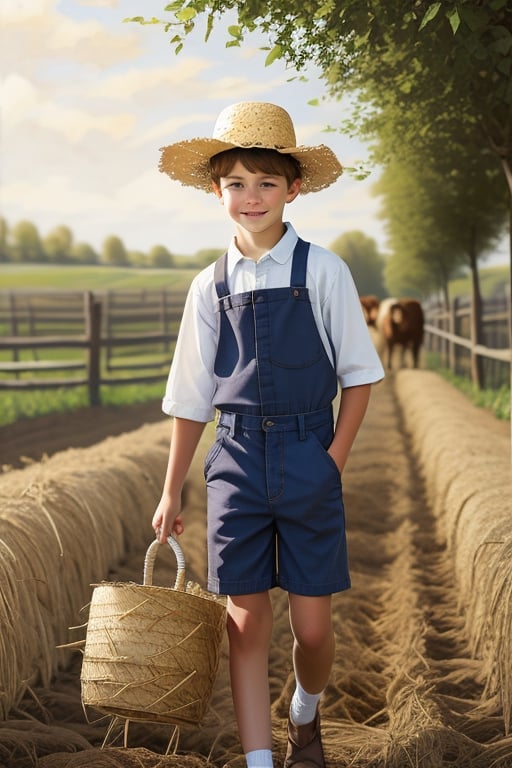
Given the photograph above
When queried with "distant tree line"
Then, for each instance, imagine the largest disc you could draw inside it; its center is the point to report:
(23, 244)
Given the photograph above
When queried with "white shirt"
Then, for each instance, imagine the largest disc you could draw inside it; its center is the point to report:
(336, 308)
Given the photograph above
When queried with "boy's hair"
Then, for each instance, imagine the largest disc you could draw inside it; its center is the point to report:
(255, 159)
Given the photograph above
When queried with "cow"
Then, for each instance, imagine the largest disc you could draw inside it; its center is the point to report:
(400, 322)
(370, 305)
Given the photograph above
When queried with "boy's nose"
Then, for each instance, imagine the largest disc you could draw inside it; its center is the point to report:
(253, 193)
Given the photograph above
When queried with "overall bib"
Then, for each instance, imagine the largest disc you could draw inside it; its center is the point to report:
(275, 506)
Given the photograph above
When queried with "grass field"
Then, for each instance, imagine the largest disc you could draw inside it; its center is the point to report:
(494, 280)
(15, 277)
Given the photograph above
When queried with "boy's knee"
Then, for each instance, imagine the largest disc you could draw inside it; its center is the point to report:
(312, 638)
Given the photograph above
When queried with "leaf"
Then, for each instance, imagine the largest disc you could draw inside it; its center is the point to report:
(235, 31)
(476, 18)
(209, 27)
(324, 10)
(314, 102)
(454, 19)
(274, 54)
(186, 14)
(359, 172)
(431, 13)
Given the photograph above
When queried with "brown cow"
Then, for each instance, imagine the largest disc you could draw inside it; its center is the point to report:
(400, 321)
(370, 305)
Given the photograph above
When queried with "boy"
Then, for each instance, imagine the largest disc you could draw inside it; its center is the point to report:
(267, 334)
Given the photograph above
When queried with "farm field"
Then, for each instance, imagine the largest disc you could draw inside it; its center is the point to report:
(410, 689)
(494, 280)
(91, 278)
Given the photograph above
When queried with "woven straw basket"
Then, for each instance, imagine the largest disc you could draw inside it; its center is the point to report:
(152, 653)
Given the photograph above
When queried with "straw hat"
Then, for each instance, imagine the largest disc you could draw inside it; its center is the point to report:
(249, 124)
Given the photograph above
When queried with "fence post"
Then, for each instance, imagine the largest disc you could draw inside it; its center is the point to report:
(452, 327)
(93, 335)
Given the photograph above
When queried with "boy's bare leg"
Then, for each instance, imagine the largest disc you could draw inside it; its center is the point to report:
(313, 648)
(249, 628)
(313, 656)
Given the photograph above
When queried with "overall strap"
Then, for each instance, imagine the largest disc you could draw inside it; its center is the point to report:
(220, 275)
(300, 264)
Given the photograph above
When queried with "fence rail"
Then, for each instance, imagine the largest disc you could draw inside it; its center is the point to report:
(92, 333)
(450, 333)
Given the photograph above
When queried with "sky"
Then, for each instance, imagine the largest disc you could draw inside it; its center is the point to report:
(87, 100)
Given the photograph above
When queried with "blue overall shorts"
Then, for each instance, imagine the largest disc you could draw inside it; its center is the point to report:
(275, 505)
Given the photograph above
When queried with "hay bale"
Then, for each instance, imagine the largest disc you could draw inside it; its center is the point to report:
(64, 524)
(466, 468)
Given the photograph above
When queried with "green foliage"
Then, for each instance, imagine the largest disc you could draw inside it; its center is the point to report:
(494, 283)
(21, 405)
(58, 245)
(207, 256)
(83, 253)
(4, 246)
(366, 263)
(114, 252)
(495, 401)
(160, 257)
(25, 243)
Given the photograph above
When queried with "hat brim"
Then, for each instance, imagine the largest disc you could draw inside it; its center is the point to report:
(189, 162)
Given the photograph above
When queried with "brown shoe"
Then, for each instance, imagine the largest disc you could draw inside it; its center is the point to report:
(305, 745)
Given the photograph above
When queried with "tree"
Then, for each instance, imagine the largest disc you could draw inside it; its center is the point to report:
(114, 252)
(206, 256)
(83, 253)
(366, 263)
(26, 243)
(160, 257)
(58, 244)
(4, 246)
(138, 259)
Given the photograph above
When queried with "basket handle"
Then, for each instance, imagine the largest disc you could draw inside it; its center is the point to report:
(149, 563)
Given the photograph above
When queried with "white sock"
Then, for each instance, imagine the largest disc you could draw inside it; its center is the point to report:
(303, 706)
(259, 758)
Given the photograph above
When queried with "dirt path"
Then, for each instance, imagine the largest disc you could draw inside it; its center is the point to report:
(29, 440)
(404, 692)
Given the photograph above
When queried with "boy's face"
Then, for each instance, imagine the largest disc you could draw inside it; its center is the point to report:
(255, 201)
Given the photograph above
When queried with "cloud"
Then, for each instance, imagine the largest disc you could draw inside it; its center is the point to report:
(34, 30)
(21, 102)
(137, 81)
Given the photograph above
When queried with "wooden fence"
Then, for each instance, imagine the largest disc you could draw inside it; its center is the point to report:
(96, 339)
(450, 334)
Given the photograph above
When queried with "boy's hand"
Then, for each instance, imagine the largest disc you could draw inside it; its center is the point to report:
(167, 520)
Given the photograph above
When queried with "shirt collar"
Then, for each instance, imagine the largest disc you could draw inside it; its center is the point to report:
(281, 252)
